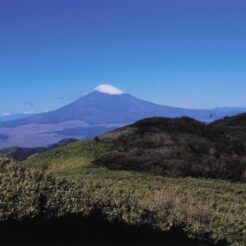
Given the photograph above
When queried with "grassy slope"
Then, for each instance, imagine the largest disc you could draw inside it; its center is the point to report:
(70, 158)
(213, 207)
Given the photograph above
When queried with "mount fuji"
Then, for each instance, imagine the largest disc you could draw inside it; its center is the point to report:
(102, 110)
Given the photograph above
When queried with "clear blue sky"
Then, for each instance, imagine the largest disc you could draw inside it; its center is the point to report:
(189, 53)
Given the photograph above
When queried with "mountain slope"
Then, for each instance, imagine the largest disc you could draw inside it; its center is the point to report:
(8, 117)
(101, 108)
(89, 116)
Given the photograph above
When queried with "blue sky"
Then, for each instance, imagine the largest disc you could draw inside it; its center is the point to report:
(188, 53)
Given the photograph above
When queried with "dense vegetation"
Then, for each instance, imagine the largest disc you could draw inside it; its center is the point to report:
(174, 148)
(206, 209)
(29, 196)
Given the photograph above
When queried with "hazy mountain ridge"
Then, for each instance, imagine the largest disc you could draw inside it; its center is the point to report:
(9, 117)
(20, 154)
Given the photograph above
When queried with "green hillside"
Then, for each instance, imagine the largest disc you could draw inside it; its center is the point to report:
(205, 209)
(71, 157)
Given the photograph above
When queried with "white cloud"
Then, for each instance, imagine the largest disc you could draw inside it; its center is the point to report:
(5, 114)
(28, 112)
(108, 89)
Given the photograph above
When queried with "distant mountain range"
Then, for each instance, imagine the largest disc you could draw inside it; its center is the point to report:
(9, 117)
(92, 115)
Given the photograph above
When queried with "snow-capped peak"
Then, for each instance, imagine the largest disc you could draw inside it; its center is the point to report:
(108, 89)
